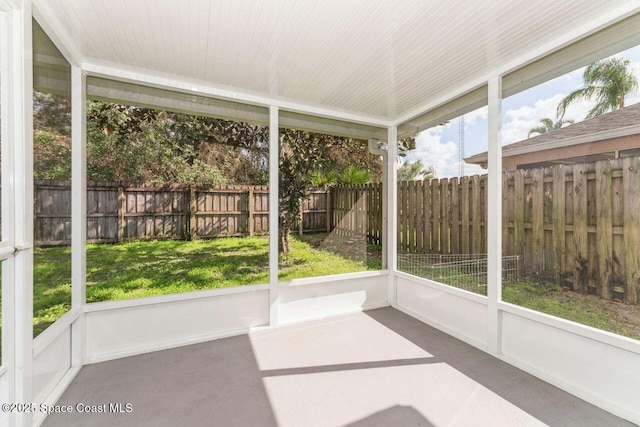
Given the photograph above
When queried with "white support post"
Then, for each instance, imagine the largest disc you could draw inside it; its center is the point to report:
(494, 215)
(7, 379)
(78, 210)
(390, 212)
(22, 98)
(274, 159)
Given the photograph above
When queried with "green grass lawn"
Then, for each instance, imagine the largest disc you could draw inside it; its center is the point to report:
(590, 310)
(546, 297)
(142, 269)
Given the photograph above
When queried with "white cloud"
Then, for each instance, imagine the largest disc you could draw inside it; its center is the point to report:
(443, 156)
(518, 122)
(480, 114)
(634, 98)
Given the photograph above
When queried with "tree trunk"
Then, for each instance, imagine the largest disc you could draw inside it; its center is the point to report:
(283, 243)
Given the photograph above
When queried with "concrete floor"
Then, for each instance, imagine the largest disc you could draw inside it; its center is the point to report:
(378, 368)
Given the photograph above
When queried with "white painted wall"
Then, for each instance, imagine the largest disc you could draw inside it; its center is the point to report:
(603, 374)
(50, 364)
(458, 313)
(599, 367)
(123, 328)
(307, 299)
(4, 396)
(120, 329)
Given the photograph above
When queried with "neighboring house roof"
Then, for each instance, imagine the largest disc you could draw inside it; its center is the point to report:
(618, 123)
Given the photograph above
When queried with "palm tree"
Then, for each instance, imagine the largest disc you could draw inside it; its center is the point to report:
(548, 125)
(410, 171)
(608, 81)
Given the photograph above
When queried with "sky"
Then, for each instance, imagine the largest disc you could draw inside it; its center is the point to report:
(439, 146)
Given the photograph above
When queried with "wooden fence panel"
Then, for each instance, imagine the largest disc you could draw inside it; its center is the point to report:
(617, 225)
(154, 212)
(435, 217)
(604, 235)
(412, 216)
(465, 203)
(455, 216)
(631, 222)
(426, 210)
(314, 211)
(476, 209)
(580, 228)
(402, 217)
(445, 217)
(260, 209)
(537, 221)
(519, 213)
(52, 210)
(102, 212)
(222, 211)
(507, 215)
(559, 208)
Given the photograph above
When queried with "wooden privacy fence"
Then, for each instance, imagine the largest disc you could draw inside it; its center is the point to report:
(118, 212)
(356, 210)
(577, 224)
(442, 216)
(581, 222)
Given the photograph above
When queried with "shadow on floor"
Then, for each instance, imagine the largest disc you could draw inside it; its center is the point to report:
(540, 399)
(220, 383)
(210, 384)
(390, 417)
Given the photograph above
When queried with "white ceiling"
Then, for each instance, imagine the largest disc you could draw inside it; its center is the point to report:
(374, 58)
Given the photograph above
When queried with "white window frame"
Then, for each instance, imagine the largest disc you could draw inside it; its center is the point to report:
(7, 247)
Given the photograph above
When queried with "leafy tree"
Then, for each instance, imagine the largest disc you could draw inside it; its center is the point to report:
(51, 136)
(325, 179)
(135, 144)
(353, 175)
(609, 81)
(548, 125)
(52, 112)
(51, 155)
(308, 159)
(410, 171)
(301, 153)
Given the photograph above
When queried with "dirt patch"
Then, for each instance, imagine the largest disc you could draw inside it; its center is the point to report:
(624, 318)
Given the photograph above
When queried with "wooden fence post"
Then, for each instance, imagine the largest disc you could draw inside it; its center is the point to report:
(465, 236)
(301, 223)
(327, 203)
(192, 212)
(476, 209)
(250, 212)
(455, 216)
(36, 237)
(604, 228)
(427, 243)
(518, 221)
(580, 228)
(121, 211)
(559, 223)
(631, 218)
(537, 219)
(445, 218)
